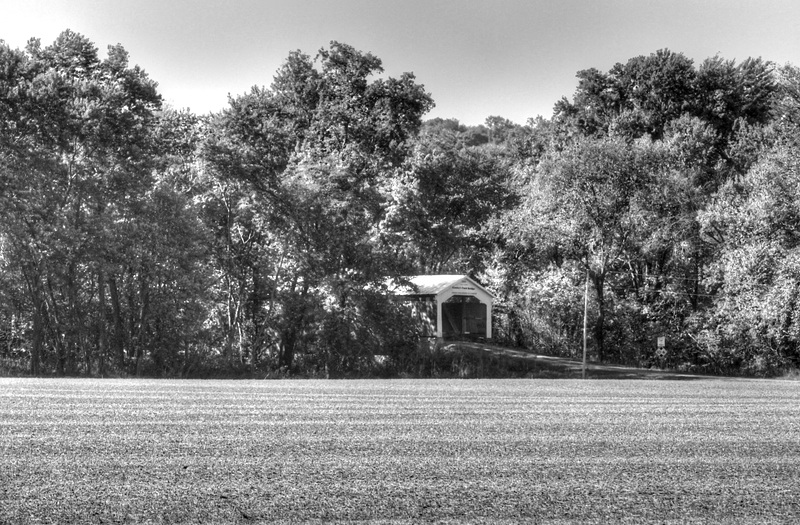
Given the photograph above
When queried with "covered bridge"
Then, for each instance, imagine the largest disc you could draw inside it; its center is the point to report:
(449, 306)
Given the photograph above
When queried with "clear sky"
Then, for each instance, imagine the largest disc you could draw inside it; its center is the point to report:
(513, 58)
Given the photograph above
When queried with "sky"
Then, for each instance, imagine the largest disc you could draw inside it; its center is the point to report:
(512, 58)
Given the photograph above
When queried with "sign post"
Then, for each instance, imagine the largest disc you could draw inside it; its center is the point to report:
(661, 352)
(585, 322)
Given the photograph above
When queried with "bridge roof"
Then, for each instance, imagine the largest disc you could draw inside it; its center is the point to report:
(432, 284)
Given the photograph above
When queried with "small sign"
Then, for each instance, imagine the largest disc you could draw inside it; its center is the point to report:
(464, 288)
(661, 352)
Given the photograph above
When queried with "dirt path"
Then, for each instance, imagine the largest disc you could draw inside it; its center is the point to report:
(572, 368)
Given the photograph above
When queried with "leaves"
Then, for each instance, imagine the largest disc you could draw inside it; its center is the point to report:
(259, 234)
(756, 225)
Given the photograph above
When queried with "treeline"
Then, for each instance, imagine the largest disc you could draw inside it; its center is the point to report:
(137, 239)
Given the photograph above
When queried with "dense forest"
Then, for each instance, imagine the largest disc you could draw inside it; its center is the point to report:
(136, 239)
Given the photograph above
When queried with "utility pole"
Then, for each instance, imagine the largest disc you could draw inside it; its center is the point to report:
(585, 320)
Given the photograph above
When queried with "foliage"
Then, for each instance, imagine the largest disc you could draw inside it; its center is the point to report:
(136, 239)
(104, 251)
(596, 204)
(758, 275)
(316, 149)
(623, 181)
(441, 200)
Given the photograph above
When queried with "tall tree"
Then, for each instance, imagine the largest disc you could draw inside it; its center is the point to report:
(755, 323)
(87, 213)
(318, 147)
(441, 201)
(592, 204)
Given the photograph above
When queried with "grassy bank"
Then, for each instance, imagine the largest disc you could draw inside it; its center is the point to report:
(130, 451)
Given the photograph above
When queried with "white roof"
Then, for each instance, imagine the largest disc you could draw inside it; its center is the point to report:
(431, 284)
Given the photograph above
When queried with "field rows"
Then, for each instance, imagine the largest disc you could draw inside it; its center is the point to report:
(125, 451)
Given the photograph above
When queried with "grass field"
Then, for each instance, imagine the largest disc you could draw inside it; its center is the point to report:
(149, 451)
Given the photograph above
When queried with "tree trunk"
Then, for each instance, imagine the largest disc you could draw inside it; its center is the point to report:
(143, 313)
(34, 287)
(38, 336)
(696, 288)
(75, 328)
(598, 280)
(102, 339)
(286, 357)
(232, 320)
(54, 321)
(296, 318)
(130, 321)
(258, 317)
(119, 325)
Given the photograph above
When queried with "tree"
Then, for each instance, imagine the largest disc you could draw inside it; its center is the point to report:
(318, 148)
(78, 137)
(755, 323)
(106, 246)
(592, 204)
(786, 105)
(442, 199)
(632, 99)
(642, 96)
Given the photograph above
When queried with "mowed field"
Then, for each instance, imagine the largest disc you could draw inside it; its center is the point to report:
(404, 451)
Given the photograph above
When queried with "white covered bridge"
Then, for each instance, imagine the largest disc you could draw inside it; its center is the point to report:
(449, 306)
